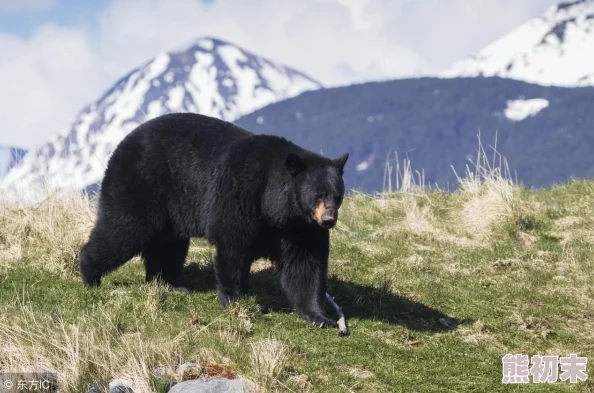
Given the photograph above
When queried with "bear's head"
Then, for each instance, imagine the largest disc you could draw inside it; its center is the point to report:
(318, 187)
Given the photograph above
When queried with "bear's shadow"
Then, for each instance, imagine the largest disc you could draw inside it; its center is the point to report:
(357, 301)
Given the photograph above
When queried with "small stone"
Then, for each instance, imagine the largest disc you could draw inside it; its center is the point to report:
(121, 389)
(215, 386)
(188, 371)
(93, 388)
(185, 368)
(560, 278)
(119, 386)
(162, 372)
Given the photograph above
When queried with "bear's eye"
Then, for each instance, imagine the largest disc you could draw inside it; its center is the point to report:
(320, 196)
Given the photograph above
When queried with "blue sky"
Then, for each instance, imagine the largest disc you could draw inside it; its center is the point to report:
(65, 53)
(64, 12)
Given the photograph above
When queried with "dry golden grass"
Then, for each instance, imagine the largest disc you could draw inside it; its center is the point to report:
(488, 200)
(268, 358)
(491, 198)
(49, 233)
(476, 334)
(300, 383)
(72, 350)
(405, 179)
(360, 373)
(418, 219)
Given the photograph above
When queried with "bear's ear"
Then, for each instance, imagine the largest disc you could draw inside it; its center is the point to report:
(340, 161)
(294, 164)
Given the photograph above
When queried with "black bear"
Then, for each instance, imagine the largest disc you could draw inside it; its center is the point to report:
(252, 196)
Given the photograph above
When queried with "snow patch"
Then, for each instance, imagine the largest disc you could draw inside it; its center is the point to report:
(206, 43)
(555, 49)
(176, 98)
(518, 110)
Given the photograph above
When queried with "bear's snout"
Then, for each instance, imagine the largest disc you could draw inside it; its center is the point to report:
(328, 221)
(326, 215)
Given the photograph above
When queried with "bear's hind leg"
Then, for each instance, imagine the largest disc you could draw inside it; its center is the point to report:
(172, 272)
(164, 260)
(152, 264)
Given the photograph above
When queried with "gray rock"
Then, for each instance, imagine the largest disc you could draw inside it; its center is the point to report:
(93, 388)
(220, 385)
(121, 389)
(119, 386)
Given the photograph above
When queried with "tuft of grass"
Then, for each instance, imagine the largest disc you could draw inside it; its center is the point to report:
(47, 234)
(492, 199)
(405, 179)
(268, 357)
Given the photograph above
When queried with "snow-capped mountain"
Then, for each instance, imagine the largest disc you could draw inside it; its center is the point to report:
(9, 157)
(210, 77)
(555, 49)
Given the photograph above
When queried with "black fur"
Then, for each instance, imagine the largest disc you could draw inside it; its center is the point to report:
(252, 196)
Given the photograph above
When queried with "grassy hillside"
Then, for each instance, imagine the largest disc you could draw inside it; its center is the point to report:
(436, 288)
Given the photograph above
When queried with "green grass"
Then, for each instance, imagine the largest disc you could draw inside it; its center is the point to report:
(432, 305)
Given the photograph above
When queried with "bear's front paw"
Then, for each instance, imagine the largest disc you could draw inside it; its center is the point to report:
(321, 321)
(92, 282)
(227, 298)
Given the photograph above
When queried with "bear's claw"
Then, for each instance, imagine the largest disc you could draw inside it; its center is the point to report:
(322, 322)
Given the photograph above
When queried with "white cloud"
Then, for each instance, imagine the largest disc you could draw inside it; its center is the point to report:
(58, 70)
(332, 42)
(45, 80)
